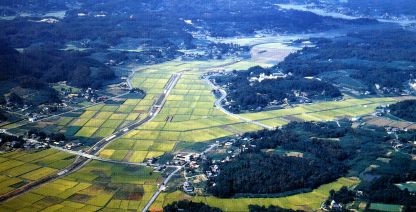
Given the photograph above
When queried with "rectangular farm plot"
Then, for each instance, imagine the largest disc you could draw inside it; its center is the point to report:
(107, 153)
(110, 123)
(138, 156)
(7, 165)
(20, 170)
(118, 116)
(109, 108)
(103, 115)
(95, 107)
(153, 154)
(88, 114)
(119, 154)
(168, 136)
(63, 121)
(144, 134)
(142, 145)
(39, 173)
(79, 122)
(86, 131)
(132, 102)
(133, 116)
(94, 123)
(103, 132)
(122, 144)
(125, 108)
(162, 146)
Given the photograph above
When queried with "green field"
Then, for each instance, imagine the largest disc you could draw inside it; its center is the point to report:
(94, 187)
(385, 207)
(188, 117)
(306, 201)
(21, 167)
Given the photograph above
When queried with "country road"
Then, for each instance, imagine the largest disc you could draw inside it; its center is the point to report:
(218, 104)
(161, 188)
(166, 181)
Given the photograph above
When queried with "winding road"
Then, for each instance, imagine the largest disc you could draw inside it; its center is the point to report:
(218, 104)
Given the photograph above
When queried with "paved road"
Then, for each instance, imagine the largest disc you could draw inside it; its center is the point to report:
(166, 181)
(218, 104)
(161, 188)
(90, 154)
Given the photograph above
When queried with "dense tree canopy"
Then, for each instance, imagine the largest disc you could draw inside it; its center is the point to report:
(405, 110)
(368, 56)
(245, 94)
(328, 152)
(189, 206)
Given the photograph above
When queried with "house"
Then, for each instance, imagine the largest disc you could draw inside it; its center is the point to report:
(335, 206)
(227, 144)
(187, 187)
(183, 157)
(193, 165)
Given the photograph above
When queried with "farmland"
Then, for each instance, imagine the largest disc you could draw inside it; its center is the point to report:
(22, 167)
(188, 117)
(323, 111)
(305, 201)
(96, 186)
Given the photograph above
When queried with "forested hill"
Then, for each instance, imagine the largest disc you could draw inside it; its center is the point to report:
(328, 151)
(246, 92)
(381, 60)
(36, 66)
(107, 22)
(405, 110)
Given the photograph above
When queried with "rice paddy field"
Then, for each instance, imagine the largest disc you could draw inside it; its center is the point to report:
(19, 168)
(306, 201)
(97, 186)
(189, 116)
(323, 111)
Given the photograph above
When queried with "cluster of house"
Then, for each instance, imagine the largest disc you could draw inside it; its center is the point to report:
(332, 206)
(70, 145)
(89, 94)
(273, 76)
(182, 158)
(34, 116)
(382, 110)
(33, 144)
(95, 14)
